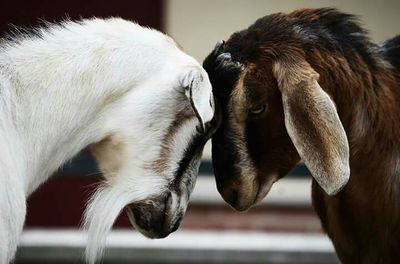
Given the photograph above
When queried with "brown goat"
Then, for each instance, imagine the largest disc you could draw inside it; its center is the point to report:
(311, 86)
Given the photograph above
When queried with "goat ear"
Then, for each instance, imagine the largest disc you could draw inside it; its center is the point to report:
(313, 125)
(199, 92)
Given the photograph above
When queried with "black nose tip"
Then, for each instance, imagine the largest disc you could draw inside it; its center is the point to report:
(150, 216)
(155, 217)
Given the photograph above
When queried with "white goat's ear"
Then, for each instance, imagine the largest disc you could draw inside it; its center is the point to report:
(313, 125)
(198, 90)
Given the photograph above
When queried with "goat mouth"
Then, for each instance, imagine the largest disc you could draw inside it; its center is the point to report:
(154, 218)
(264, 187)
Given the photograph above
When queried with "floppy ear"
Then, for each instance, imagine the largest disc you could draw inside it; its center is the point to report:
(198, 90)
(314, 125)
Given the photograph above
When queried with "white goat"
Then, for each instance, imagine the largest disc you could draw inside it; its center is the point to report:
(142, 105)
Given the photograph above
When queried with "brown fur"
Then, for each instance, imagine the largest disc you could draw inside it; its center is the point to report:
(363, 220)
(109, 153)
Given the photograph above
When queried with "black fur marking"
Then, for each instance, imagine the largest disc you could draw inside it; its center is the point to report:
(185, 171)
(222, 75)
(225, 156)
(188, 167)
(391, 49)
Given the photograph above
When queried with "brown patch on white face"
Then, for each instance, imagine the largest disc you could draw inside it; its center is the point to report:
(161, 163)
(109, 155)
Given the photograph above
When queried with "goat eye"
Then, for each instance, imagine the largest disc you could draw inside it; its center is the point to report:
(258, 110)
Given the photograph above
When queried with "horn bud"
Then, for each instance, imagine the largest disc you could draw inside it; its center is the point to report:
(219, 46)
(225, 61)
(226, 56)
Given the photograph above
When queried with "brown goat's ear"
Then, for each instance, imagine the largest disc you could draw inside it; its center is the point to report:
(313, 125)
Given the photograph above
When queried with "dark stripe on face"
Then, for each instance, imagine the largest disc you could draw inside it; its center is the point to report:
(161, 164)
(224, 155)
(189, 164)
(224, 77)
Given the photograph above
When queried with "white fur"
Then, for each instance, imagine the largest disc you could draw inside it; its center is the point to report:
(74, 85)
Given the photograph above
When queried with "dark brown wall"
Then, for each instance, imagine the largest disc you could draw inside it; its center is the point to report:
(31, 12)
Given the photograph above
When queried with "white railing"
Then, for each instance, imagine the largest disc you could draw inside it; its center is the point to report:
(126, 246)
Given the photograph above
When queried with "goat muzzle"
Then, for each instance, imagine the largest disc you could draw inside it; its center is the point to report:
(156, 217)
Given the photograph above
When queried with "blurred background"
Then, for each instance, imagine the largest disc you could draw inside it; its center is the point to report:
(282, 229)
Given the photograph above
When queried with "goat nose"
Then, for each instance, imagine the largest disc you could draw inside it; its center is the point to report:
(152, 216)
(233, 198)
(237, 200)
